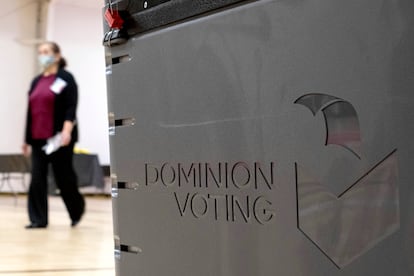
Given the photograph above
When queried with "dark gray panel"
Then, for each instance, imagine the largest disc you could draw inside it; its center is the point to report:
(221, 173)
(142, 16)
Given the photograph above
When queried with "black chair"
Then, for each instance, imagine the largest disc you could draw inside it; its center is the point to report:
(13, 167)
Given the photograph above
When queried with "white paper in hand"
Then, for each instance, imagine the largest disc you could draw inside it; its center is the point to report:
(53, 144)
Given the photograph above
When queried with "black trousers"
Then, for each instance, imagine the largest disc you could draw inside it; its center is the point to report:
(66, 181)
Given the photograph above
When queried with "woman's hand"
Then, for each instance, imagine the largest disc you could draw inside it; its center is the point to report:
(66, 138)
(67, 133)
(26, 150)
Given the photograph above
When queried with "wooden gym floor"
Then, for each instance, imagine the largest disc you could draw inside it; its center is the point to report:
(58, 250)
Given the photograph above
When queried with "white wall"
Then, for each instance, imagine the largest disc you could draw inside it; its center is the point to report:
(79, 32)
(17, 19)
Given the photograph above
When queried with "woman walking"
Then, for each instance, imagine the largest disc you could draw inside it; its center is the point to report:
(52, 113)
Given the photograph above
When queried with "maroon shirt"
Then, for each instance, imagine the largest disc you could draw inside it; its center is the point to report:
(42, 104)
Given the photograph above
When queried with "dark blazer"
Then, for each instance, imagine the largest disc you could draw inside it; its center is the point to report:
(65, 106)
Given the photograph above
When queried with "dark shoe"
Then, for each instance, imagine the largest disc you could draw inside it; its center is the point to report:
(76, 222)
(35, 226)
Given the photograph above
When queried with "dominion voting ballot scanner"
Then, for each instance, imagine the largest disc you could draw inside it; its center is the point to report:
(261, 138)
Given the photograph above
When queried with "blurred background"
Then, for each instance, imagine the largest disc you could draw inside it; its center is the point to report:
(76, 25)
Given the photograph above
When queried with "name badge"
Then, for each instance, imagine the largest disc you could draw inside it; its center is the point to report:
(58, 86)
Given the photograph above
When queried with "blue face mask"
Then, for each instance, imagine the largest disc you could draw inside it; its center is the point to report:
(45, 60)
